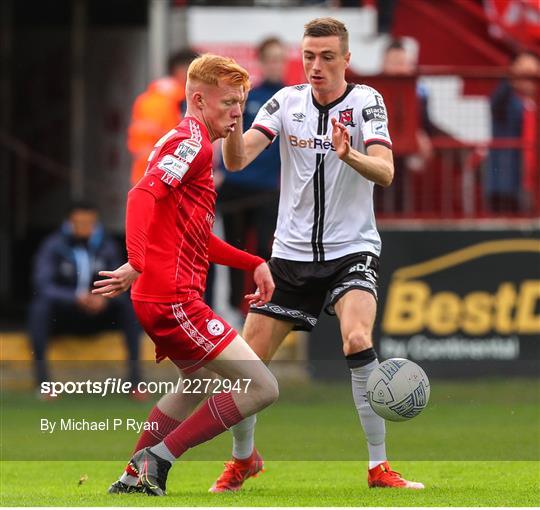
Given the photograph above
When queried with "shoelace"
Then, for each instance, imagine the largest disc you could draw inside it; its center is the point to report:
(234, 472)
(393, 474)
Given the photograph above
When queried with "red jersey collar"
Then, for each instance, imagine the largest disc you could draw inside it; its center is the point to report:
(202, 126)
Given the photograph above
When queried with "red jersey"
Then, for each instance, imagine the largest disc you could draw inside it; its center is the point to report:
(176, 255)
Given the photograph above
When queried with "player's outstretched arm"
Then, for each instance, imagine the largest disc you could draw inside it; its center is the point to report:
(220, 252)
(376, 166)
(239, 150)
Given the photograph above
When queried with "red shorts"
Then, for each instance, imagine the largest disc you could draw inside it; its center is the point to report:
(189, 334)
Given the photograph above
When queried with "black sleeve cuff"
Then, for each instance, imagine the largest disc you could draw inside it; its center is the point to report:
(265, 131)
(377, 141)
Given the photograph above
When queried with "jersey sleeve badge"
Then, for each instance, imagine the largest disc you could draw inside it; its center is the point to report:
(272, 106)
(187, 150)
(173, 168)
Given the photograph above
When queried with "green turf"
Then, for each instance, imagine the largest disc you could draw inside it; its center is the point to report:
(490, 420)
(283, 484)
(478, 443)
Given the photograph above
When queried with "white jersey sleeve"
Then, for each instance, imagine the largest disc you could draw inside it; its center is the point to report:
(374, 119)
(269, 118)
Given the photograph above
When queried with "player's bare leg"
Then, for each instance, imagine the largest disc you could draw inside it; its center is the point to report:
(356, 312)
(179, 405)
(264, 335)
(237, 362)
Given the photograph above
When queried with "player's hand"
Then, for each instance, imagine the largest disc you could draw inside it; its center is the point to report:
(116, 281)
(341, 139)
(265, 286)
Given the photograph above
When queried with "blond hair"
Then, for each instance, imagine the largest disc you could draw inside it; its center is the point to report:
(210, 69)
(325, 27)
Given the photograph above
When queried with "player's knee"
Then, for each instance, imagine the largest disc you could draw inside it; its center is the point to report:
(272, 390)
(267, 389)
(357, 340)
(270, 395)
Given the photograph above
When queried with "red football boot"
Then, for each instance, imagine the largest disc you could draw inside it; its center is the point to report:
(383, 476)
(237, 471)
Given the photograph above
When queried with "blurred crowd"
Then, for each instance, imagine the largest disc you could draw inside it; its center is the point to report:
(69, 260)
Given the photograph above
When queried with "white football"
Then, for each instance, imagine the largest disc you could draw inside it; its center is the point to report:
(398, 389)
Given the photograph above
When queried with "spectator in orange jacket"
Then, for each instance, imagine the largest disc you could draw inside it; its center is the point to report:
(157, 110)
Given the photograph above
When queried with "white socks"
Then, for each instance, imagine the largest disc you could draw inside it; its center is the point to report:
(162, 451)
(244, 437)
(372, 423)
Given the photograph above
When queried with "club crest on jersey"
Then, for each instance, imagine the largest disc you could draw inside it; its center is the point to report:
(346, 117)
(215, 327)
(187, 150)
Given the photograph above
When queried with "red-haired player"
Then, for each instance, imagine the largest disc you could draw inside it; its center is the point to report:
(170, 214)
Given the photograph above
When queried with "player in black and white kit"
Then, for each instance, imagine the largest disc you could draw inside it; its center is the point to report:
(334, 146)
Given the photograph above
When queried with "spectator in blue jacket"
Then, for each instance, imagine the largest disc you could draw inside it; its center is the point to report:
(510, 172)
(249, 199)
(65, 268)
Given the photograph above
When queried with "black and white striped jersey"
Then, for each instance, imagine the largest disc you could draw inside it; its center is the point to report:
(325, 207)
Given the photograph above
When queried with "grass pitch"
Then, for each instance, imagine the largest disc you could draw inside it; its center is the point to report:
(292, 483)
(477, 444)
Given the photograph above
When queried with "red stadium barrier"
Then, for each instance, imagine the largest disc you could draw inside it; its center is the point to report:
(465, 171)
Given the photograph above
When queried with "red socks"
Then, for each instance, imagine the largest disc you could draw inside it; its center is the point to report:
(165, 425)
(216, 415)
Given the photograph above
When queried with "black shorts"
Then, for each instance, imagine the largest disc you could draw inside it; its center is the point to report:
(301, 287)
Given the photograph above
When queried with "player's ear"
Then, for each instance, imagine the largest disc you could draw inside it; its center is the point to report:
(348, 58)
(199, 100)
